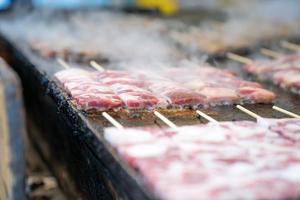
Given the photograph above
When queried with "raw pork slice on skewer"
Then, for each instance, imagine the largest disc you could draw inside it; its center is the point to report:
(93, 94)
(225, 160)
(283, 71)
(111, 74)
(72, 74)
(288, 79)
(121, 80)
(220, 86)
(110, 77)
(176, 95)
(137, 98)
(99, 101)
(219, 95)
(86, 91)
(255, 95)
(130, 90)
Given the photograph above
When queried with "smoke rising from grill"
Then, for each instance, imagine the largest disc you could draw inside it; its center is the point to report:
(113, 35)
(246, 24)
(130, 40)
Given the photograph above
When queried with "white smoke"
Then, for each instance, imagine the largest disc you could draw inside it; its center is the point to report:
(247, 23)
(120, 37)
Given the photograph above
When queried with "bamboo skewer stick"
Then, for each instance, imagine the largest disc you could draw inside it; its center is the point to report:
(63, 63)
(239, 58)
(205, 116)
(165, 120)
(290, 46)
(252, 114)
(270, 53)
(112, 120)
(286, 112)
(96, 66)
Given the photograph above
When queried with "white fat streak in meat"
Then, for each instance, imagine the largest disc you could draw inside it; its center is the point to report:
(241, 169)
(175, 168)
(146, 150)
(261, 126)
(187, 147)
(263, 122)
(86, 86)
(255, 146)
(131, 136)
(288, 173)
(292, 172)
(211, 133)
(293, 127)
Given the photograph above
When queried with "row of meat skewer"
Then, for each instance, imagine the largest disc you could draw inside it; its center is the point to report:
(218, 160)
(182, 87)
(283, 71)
